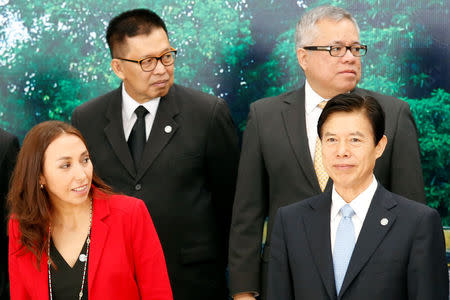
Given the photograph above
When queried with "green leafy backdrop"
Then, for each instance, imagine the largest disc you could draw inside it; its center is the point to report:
(53, 56)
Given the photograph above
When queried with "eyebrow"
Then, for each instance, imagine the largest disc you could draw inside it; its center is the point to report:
(342, 43)
(162, 51)
(68, 157)
(357, 133)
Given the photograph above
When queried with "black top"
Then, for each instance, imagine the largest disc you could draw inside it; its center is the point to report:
(66, 281)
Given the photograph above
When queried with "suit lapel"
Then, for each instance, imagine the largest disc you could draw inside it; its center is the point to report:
(295, 123)
(114, 132)
(40, 290)
(317, 226)
(372, 233)
(99, 233)
(164, 127)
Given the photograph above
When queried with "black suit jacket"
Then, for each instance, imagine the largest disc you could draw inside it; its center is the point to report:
(403, 259)
(276, 169)
(9, 147)
(186, 178)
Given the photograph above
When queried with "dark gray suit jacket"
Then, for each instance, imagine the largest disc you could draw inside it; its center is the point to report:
(186, 178)
(9, 147)
(403, 259)
(276, 169)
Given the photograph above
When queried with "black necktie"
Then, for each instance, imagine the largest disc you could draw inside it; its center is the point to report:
(137, 139)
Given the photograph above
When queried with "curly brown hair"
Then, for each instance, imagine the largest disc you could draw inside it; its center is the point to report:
(27, 202)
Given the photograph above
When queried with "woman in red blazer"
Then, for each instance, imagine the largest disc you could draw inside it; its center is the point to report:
(69, 236)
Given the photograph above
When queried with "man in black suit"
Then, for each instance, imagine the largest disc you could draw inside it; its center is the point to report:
(9, 146)
(278, 159)
(185, 172)
(357, 240)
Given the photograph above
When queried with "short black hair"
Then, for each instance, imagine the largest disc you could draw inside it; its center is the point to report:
(350, 103)
(132, 23)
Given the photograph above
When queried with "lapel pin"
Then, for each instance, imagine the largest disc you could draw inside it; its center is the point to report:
(384, 221)
(168, 129)
(83, 257)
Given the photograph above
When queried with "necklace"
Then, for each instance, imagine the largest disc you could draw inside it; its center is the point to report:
(88, 242)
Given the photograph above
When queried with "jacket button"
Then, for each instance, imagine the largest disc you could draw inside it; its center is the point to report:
(138, 187)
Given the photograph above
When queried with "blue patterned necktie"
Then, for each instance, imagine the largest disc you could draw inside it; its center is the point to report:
(343, 246)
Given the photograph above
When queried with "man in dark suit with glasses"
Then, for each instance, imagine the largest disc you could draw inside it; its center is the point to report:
(171, 146)
(280, 159)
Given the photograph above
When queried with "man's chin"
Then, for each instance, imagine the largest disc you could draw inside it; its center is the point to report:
(160, 92)
(348, 87)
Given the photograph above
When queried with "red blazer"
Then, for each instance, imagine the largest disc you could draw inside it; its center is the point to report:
(125, 257)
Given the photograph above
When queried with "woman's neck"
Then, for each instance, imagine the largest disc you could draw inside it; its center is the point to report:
(69, 216)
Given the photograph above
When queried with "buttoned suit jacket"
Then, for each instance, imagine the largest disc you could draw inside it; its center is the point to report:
(125, 257)
(9, 147)
(186, 178)
(276, 169)
(400, 258)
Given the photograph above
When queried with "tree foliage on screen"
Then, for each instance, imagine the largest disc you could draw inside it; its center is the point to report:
(53, 56)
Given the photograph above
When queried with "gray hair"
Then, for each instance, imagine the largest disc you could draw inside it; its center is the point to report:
(306, 30)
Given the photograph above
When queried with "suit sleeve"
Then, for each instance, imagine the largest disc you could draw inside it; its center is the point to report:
(222, 157)
(7, 163)
(74, 119)
(249, 213)
(427, 268)
(279, 278)
(16, 281)
(151, 272)
(406, 170)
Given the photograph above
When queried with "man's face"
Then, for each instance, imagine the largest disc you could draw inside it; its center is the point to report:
(143, 86)
(327, 75)
(348, 150)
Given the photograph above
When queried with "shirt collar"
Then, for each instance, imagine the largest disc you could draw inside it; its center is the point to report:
(312, 99)
(360, 204)
(129, 105)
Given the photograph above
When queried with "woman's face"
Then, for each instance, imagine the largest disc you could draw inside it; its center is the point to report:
(67, 171)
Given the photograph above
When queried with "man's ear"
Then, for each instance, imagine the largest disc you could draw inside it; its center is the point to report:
(116, 65)
(302, 58)
(381, 146)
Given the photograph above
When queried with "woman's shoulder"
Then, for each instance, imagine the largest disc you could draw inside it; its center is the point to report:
(13, 226)
(118, 203)
(124, 202)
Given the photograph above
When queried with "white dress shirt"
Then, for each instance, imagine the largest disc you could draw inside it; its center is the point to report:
(312, 114)
(360, 206)
(129, 117)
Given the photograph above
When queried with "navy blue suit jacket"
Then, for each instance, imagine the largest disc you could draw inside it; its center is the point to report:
(403, 259)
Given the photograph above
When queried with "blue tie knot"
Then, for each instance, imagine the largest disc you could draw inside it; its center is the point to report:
(347, 211)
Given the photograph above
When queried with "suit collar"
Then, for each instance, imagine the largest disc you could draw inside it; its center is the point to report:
(295, 124)
(129, 105)
(114, 131)
(372, 233)
(40, 282)
(312, 99)
(164, 127)
(317, 226)
(99, 233)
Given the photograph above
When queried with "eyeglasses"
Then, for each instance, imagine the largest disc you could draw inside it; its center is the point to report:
(339, 51)
(149, 63)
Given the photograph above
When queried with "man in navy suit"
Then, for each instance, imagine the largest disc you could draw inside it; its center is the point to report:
(357, 240)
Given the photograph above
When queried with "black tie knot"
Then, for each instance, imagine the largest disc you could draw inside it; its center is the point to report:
(141, 112)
